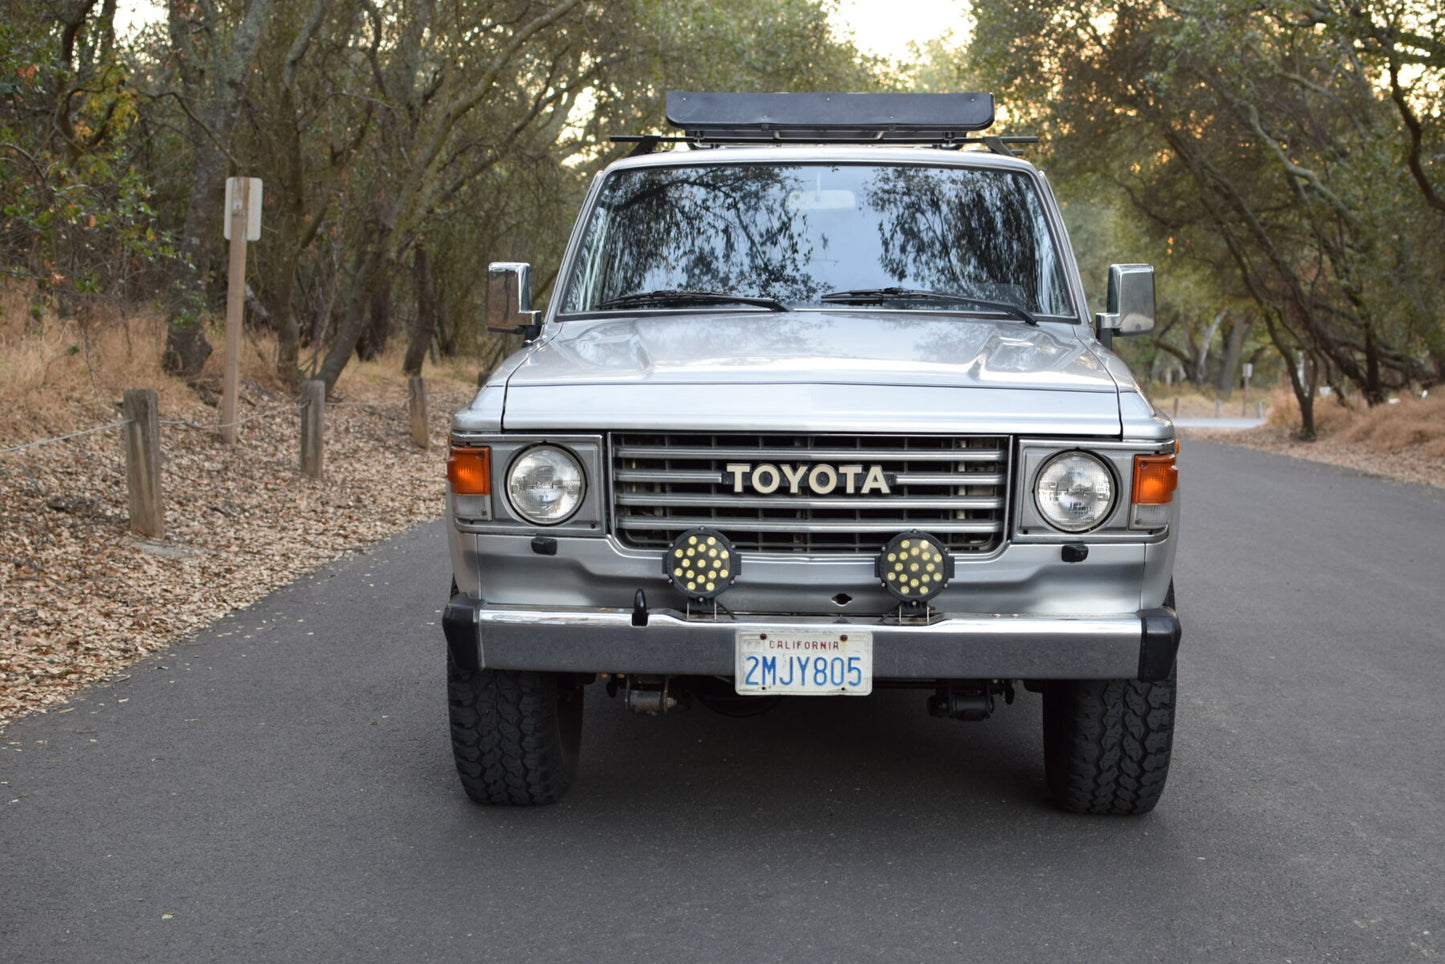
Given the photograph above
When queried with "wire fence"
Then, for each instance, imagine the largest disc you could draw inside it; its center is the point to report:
(65, 438)
(187, 423)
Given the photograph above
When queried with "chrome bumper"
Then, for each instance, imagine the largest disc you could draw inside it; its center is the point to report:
(1005, 646)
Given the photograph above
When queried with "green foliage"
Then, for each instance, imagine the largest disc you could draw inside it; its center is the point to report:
(1278, 162)
(75, 217)
(1276, 149)
(465, 129)
(455, 139)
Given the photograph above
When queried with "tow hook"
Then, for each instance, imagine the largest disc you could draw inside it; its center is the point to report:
(653, 697)
(970, 700)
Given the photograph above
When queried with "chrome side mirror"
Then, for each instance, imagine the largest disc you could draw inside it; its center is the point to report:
(1131, 302)
(509, 300)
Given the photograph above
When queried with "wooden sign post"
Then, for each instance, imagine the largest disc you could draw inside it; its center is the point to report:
(243, 223)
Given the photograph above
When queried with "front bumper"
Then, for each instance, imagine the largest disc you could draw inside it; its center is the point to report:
(987, 646)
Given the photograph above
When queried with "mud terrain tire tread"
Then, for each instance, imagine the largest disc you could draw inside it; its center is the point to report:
(514, 734)
(1107, 744)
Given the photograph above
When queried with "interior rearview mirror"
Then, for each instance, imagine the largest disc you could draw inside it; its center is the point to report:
(1130, 302)
(509, 300)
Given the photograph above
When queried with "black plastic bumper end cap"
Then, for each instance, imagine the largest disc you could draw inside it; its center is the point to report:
(459, 622)
(1160, 644)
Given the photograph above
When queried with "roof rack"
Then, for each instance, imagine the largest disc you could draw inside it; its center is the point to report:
(869, 118)
(939, 120)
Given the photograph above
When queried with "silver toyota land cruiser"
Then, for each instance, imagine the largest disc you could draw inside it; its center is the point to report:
(817, 407)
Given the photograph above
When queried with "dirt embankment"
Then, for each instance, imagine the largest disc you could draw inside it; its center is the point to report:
(81, 597)
(1404, 440)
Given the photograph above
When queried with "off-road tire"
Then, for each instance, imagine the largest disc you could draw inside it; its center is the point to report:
(515, 734)
(1107, 743)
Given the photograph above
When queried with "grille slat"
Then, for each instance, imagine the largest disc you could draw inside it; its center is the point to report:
(793, 503)
(680, 524)
(952, 486)
(638, 475)
(800, 454)
(936, 478)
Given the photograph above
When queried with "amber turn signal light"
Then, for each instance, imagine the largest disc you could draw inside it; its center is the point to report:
(469, 471)
(1155, 479)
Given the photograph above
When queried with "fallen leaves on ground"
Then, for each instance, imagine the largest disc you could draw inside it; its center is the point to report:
(82, 597)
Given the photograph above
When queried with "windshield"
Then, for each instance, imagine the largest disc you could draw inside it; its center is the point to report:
(796, 233)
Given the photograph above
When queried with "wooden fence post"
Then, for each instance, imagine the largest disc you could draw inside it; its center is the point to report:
(238, 219)
(417, 404)
(313, 411)
(143, 462)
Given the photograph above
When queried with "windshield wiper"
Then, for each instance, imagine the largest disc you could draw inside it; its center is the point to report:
(678, 297)
(864, 296)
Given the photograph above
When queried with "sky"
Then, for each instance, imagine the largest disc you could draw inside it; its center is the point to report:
(130, 14)
(882, 27)
(885, 27)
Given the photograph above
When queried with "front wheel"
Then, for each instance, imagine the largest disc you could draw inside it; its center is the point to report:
(1107, 743)
(515, 734)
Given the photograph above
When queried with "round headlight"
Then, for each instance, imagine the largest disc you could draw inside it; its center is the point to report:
(1074, 491)
(545, 485)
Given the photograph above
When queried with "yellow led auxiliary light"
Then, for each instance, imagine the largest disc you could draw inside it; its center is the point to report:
(701, 563)
(914, 567)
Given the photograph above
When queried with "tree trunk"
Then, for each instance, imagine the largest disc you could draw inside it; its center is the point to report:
(1374, 391)
(288, 332)
(1306, 397)
(1233, 349)
(376, 331)
(291, 214)
(345, 343)
(213, 81)
(186, 348)
(354, 317)
(425, 325)
(1304, 388)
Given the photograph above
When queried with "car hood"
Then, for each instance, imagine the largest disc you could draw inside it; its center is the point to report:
(852, 371)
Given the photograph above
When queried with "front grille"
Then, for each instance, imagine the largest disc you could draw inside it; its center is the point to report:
(953, 487)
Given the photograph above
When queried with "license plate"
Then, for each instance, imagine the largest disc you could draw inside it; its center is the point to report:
(804, 663)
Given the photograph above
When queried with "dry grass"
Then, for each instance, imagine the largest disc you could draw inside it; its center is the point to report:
(1411, 424)
(1405, 423)
(1190, 402)
(1404, 440)
(58, 375)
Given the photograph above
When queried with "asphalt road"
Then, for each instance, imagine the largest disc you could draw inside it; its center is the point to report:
(280, 788)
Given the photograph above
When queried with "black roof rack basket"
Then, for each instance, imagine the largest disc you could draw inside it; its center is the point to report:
(730, 118)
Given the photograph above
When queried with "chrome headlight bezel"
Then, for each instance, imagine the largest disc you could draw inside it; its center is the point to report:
(525, 481)
(1091, 478)
(1030, 524)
